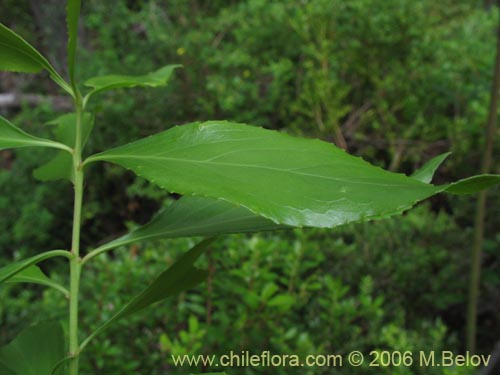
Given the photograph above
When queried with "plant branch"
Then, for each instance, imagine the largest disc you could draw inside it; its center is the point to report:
(100, 250)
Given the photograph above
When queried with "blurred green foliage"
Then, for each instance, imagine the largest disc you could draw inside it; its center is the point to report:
(301, 292)
(395, 81)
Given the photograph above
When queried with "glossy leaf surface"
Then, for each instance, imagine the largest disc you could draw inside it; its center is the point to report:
(35, 351)
(17, 55)
(293, 181)
(157, 78)
(182, 275)
(13, 137)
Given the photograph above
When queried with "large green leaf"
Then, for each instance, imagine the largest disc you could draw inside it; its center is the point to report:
(157, 78)
(14, 268)
(35, 351)
(17, 55)
(61, 166)
(182, 275)
(34, 275)
(13, 137)
(427, 171)
(293, 181)
(72, 15)
(196, 216)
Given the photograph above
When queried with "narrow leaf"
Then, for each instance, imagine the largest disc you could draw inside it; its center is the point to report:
(34, 275)
(427, 171)
(61, 166)
(13, 137)
(14, 268)
(17, 55)
(35, 351)
(72, 15)
(182, 275)
(473, 184)
(293, 181)
(157, 78)
(197, 216)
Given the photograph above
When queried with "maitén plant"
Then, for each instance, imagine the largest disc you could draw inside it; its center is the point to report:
(233, 178)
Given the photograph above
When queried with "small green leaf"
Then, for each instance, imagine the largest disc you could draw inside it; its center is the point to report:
(473, 184)
(72, 15)
(13, 137)
(34, 275)
(292, 181)
(283, 301)
(35, 351)
(14, 268)
(61, 166)
(427, 171)
(196, 216)
(58, 168)
(182, 275)
(268, 291)
(17, 55)
(65, 128)
(157, 78)
(211, 373)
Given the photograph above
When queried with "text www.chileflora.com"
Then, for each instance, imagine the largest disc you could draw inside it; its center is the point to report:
(375, 358)
(264, 359)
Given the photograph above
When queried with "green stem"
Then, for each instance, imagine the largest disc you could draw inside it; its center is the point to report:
(73, 12)
(75, 263)
(73, 316)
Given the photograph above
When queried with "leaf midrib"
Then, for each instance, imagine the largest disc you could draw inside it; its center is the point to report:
(227, 164)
